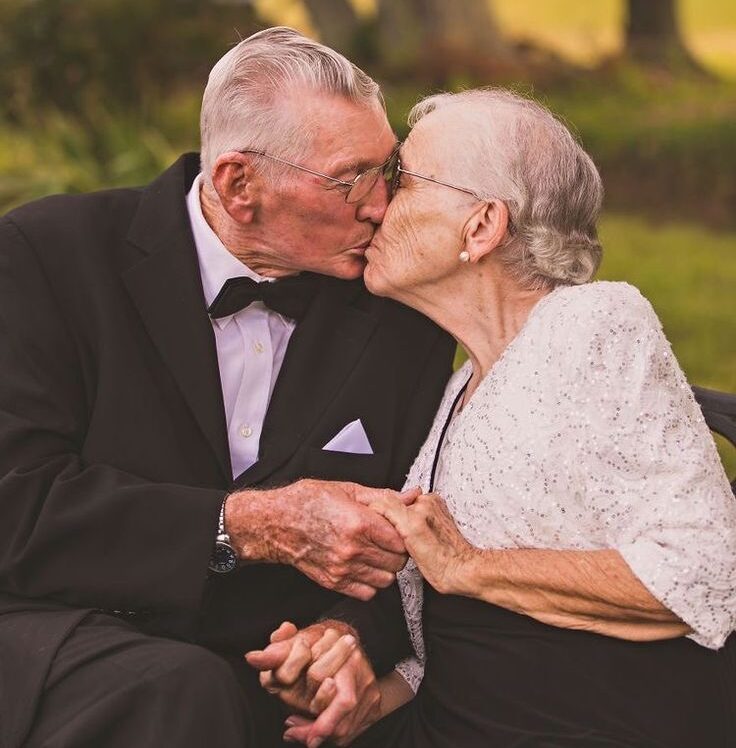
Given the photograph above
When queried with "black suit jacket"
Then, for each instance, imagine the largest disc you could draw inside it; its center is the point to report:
(113, 448)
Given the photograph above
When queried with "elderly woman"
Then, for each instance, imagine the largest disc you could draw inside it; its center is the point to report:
(574, 581)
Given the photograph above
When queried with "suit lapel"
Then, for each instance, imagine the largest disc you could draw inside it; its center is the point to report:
(166, 288)
(323, 349)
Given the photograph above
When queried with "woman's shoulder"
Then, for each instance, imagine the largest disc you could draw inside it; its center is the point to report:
(602, 297)
(614, 306)
(607, 326)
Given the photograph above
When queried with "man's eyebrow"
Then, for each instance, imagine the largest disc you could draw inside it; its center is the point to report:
(352, 165)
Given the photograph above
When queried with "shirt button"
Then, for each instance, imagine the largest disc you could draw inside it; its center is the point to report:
(258, 346)
(246, 431)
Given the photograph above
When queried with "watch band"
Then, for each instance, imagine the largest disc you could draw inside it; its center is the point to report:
(221, 521)
(224, 559)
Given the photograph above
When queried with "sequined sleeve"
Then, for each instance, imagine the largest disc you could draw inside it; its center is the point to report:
(653, 473)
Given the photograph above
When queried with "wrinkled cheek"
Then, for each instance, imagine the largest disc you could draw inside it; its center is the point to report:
(411, 250)
(400, 243)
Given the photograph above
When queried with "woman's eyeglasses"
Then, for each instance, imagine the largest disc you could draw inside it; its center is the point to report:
(398, 171)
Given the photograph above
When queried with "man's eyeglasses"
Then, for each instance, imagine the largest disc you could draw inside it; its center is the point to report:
(355, 190)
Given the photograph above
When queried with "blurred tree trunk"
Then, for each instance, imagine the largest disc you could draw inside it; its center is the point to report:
(336, 21)
(440, 38)
(653, 35)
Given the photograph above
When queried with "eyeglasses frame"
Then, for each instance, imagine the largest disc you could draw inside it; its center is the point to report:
(398, 171)
(350, 185)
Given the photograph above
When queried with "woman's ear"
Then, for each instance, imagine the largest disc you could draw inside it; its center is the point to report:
(233, 180)
(485, 229)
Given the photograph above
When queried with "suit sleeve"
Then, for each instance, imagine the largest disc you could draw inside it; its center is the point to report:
(86, 535)
(380, 622)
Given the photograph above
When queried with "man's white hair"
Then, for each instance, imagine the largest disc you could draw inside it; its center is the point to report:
(516, 151)
(241, 104)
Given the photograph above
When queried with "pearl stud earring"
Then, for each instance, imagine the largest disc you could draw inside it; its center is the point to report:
(464, 256)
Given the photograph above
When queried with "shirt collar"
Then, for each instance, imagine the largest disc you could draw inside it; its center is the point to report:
(216, 263)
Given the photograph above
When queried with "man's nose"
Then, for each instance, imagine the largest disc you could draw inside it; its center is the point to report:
(373, 206)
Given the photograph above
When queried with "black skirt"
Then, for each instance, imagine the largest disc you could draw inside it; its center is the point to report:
(496, 679)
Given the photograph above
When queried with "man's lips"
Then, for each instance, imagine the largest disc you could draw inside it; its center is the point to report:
(359, 249)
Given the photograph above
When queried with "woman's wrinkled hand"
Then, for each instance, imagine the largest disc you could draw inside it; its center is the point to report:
(431, 537)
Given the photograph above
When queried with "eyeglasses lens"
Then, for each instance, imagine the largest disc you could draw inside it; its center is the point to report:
(362, 185)
(366, 181)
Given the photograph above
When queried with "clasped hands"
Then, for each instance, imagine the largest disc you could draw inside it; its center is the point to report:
(321, 672)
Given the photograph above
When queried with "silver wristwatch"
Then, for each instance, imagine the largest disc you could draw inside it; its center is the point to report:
(224, 559)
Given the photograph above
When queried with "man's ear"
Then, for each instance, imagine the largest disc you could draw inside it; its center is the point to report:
(233, 179)
(485, 229)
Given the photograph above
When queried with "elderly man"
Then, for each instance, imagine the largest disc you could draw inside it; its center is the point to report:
(179, 365)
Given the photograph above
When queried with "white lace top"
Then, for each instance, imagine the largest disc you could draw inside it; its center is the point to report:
(585, 435)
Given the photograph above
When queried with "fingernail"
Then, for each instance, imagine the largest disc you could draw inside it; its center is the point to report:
(290, 722)
(314, 743)
(349, 639)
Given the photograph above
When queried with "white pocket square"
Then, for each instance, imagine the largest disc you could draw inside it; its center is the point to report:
(352, 439)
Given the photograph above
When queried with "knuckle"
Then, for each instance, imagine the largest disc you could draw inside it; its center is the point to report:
(350, 703)
(339, 571)
(313, 680)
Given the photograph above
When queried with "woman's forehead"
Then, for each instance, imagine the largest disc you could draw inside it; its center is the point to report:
(430, 145)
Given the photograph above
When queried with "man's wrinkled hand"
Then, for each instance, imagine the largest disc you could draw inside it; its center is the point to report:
(323, 528)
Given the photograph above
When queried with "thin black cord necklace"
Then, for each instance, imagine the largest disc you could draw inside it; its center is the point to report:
(440, 441)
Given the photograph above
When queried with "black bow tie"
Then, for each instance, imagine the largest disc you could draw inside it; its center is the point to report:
(289, 296)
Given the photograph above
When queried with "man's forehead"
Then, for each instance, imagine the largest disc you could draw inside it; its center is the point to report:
(342, 128)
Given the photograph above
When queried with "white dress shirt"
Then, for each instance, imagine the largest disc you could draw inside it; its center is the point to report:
(250, 344)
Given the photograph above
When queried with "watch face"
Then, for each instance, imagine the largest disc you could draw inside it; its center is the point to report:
(224, 558)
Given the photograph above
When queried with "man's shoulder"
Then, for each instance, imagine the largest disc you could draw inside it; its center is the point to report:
(57, 214)
(67, 232)
(97, 215)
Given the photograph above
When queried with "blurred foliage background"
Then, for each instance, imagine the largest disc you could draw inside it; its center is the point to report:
(100, 93)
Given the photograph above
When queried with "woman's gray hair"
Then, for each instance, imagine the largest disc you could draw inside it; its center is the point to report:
(240, 108)
(516, 151)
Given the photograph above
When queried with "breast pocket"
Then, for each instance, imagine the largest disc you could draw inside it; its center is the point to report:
(369, 470)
